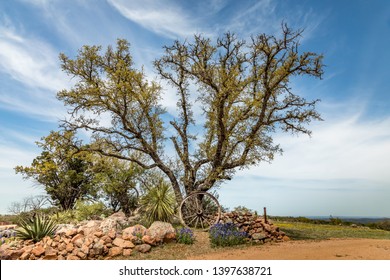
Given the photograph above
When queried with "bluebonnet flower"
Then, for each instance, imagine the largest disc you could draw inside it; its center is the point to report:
(226, 235)
(185, 236)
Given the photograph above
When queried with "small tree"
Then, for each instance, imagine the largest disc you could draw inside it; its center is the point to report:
(242, 87)
(29, 204)
(64, 173)
(117, 181)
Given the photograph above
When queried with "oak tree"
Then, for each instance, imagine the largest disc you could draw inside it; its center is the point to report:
(242, 87)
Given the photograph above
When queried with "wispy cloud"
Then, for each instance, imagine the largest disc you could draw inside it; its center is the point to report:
(252, 18)
(30, 61)
(162, 17)
(35, 66)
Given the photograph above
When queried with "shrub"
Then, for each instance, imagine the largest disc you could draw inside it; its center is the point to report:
(87, 211)
(242, 209)
(36, 228)
(226, 235)
(82, 211)
(65, 217)
(185, 236)
(335, 221)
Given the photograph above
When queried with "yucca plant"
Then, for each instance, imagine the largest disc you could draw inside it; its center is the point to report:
(158, 203)
(36, 228)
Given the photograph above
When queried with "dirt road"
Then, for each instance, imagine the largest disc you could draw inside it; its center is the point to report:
(333, 249)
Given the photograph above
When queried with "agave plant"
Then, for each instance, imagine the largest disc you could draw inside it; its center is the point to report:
(36, 228)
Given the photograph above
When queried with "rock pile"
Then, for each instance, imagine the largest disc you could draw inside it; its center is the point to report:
(257, 228)
(91, 240)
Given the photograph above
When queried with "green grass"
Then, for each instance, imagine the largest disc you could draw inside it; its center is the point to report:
(304, 231)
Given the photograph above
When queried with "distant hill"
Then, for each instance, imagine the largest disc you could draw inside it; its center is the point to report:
(356, 220)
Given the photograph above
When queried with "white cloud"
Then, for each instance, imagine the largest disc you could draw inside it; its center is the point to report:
(30, 61)
(35, 66)
(342, 170)
(340, 149)
(162, 17)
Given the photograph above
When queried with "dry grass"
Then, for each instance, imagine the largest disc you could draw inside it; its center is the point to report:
(305, 231)
(296, 231)
(176, 251)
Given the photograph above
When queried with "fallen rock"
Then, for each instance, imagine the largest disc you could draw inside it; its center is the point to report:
(161, 232)
(127, 252)
(38, 251)
(113, 222)
(115, 251)
(259, 236)
(119, 242)
(134, 233)
(149, 240)
(143, 248)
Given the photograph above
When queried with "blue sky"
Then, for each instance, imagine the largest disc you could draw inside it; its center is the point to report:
(342, 170)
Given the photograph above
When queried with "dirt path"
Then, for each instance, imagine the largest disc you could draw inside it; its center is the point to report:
(333, 249)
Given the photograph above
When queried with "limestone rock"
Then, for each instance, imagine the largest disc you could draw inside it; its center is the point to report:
(50, 253)
(111, 234)
(113, 222)
(119, 242)
(90, 227)
(127, 252)
(25, 256)
(134, 233)
(71, 232)
(15, 254)
(161, 232)
(115, 251)
(38, 251)
(143, 248)
(259, 236)
(69, 247)
(63, 228)
(149, 240)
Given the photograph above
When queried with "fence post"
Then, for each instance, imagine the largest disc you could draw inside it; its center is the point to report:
(265, 215)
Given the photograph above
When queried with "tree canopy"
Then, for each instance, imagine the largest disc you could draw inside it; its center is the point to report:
(63, 171)
(242, 87)
(118, 182)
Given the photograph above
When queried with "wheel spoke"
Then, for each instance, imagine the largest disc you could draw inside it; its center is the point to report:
(199, 210)
(190, 223)
(197, 204)
(201, 223)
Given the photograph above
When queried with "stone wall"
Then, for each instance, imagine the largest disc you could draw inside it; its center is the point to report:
(257, 228)
(110, 238)
(91, 240)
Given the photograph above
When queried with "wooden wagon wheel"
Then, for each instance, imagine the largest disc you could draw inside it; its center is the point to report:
(199, 210)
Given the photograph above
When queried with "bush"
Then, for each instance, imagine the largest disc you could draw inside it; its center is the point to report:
(36, 228)
(65, 217)
(87, 211)
(83, 211)
(242, 209)
(226, 235)
(383, 225)
(185, 236)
